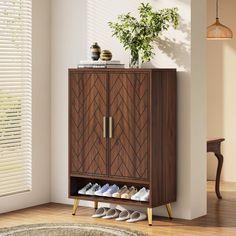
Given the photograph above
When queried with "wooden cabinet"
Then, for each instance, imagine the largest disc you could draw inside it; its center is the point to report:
(122, 130)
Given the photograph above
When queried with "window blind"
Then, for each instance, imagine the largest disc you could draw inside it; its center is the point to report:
(15, 96)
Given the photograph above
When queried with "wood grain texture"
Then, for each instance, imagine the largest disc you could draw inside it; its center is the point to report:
(220, 219)
(87, 107)
(157, 195)
(169, 135)
(142, 104)
(163, 137)
(129, 109)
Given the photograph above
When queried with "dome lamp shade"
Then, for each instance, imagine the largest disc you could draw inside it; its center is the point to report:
(218, 31)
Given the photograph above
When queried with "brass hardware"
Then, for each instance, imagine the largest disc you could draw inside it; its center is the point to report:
(76, 203)
(149, 213)
(110, 127)
(95, 205)
(169, 210)
(104, 127)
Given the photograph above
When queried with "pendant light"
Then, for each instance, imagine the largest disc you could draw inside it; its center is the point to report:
(218, 31)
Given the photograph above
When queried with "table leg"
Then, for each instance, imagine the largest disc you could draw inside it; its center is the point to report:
(220, 159)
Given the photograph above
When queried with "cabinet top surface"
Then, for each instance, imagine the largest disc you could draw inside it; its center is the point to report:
(121, 69)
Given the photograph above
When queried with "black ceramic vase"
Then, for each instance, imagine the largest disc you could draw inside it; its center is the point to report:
(95, 52)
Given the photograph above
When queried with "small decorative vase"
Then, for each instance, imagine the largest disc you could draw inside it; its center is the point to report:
(134, 60)
(95, 52)
(106, 55)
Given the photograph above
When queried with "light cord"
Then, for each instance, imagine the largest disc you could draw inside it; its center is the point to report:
(217, 9)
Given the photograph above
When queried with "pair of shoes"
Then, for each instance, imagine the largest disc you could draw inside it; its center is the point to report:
(93, 189)
(85, 188)
(106, 213)
(125, 192)
(137, 216)
(107, 191)
(128, 193)
(120, 192)
(131, 216)
(102, 190)
(126, 215)
(141, 195)
(89, 189)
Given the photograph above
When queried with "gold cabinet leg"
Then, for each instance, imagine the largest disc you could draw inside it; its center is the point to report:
(95, 205)
(76, 203)
(169, 210)
(149, 213)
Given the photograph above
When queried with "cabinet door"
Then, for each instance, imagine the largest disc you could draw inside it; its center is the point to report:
(87, 108)
(129, 109)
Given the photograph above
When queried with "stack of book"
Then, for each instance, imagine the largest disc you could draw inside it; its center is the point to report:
(100, 64)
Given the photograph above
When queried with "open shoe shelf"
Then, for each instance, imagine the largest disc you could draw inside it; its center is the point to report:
(77, 183)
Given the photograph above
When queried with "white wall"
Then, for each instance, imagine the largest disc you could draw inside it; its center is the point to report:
(221, 91)
(198, 113)
(68, 42)
(41, 114)
(78, 23)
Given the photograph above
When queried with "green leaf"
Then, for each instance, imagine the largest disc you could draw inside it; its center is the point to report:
(138, 35)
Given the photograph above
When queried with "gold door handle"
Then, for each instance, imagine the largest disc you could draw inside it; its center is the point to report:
(110, 127)
(104, 127)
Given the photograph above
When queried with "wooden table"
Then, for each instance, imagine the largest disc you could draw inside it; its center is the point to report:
(215, 147)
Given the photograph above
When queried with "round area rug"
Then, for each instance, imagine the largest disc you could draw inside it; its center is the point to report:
(68, 230)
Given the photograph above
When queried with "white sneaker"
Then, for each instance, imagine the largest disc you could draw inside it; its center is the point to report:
(102, 190)
(145, 197)
(85, 188)
(113, 189)
(93, 189)
(139, 194)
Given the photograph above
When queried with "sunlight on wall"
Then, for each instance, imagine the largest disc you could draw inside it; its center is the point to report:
(98, 30)
(76, 24)
(173, 48)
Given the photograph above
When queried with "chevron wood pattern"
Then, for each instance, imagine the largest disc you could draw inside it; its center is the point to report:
(142, 149)
(88, 103)
(129, 108)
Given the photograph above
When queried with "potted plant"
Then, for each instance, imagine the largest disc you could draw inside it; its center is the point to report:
(138, 35)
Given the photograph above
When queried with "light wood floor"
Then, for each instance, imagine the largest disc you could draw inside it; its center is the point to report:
(220, 220)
